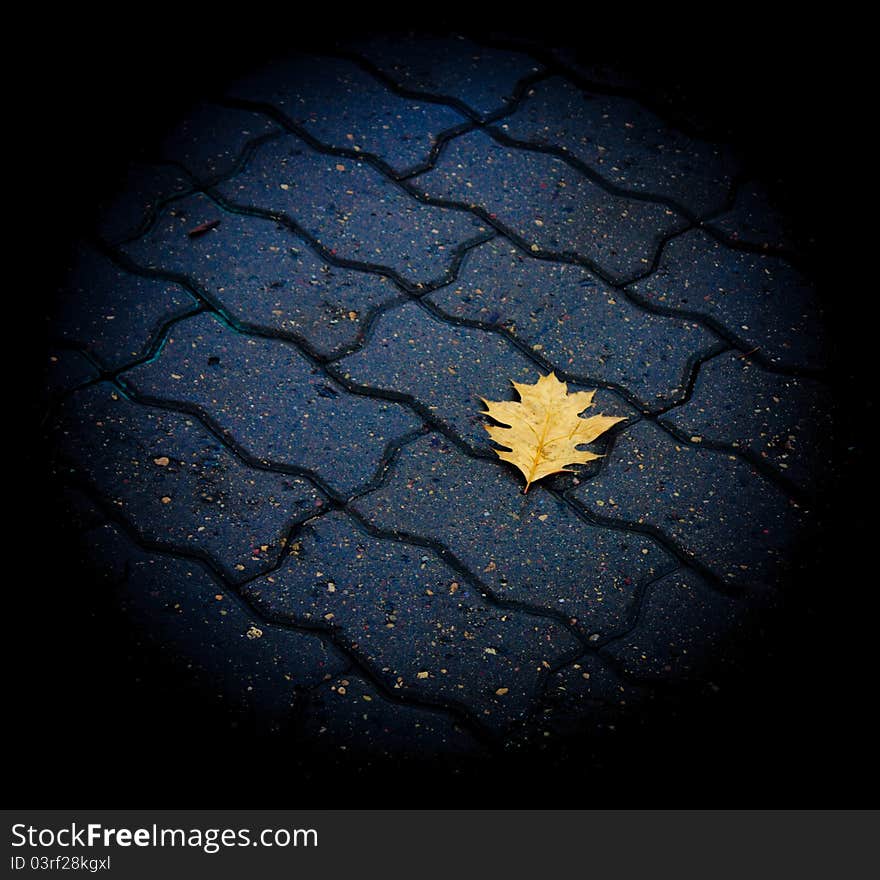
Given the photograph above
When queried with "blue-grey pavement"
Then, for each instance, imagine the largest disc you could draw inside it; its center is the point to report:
(265, 378)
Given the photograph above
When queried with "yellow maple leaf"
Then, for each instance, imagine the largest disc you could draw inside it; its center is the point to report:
(544, 427)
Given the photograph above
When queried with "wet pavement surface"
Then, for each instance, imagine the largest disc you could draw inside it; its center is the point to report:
(265, 381)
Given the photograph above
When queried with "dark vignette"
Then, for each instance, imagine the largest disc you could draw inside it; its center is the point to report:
(790, 734)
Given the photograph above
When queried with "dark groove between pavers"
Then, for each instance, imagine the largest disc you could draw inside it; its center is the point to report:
(558, 67)
(685, 559)
(454, 103)
(440, 142)
(152, 349)
(232, 444)
(487, 124)
(408, 186)
(208, 302)
(279, 116)
(594, 651)
(591, 174)
(381, 476)
(622, 285)
(419, 290)
(453, 707)
(325, 363)
(459, 713)
(290, 531)
(795, 492)
(112, 518)
(404, 180)
(344, 262)
(334, 502)
(688, 374)
(196, 185)
(701, 221)
(447, 556)
(429, 418)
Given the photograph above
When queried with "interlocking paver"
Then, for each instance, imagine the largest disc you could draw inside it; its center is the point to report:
(625, 143)
(211, 140)
(262, 275)
(208, 144)
(529, 548)
(715, 506)
(447, 369)
(422, 628)
(686, 630)
(146, 187)
(753, 220)
(252, 667)
(737, 403)
(67, 369)
(273, 402)
(177, 485)
(114, 313)
(583, 699)
(550, 205)
(483, 79)
(352, 209)
(762, 300)
(309, 371)
(349, 713)
(578, 323)
(345, 107)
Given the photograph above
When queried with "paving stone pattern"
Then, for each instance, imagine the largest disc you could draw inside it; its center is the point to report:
(118, 313)
(576, 321)
(760, 300)
(352, 209)
(178, 484)
(481, 79)
(265, 381)
(552, 207)
(342, 105)
(272, 401)
(260, 671)
(624, 143)
(250, 269)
